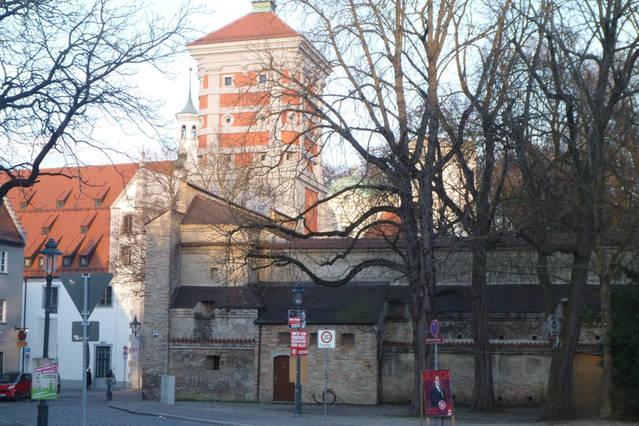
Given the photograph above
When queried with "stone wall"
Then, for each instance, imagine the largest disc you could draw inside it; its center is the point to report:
(160, 269)
(352, 373)
(216, 372)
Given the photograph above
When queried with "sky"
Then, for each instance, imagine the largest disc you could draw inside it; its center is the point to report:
(172, 81)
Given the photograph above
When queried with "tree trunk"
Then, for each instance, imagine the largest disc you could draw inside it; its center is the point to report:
(420, 306)
(483, 389)
(544, 281)
(559, 391)
(606, 406)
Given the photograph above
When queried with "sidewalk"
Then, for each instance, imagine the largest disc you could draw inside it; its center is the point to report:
(266, 414)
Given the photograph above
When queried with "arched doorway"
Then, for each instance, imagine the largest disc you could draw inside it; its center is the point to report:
(283, 390)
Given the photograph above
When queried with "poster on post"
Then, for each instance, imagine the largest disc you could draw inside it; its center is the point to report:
(45, 378)
(438, 398)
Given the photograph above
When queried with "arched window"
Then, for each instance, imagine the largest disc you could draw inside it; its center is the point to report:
(183, 132)
(193, 132)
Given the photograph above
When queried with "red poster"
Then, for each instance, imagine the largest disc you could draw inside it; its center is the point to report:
(438, 399)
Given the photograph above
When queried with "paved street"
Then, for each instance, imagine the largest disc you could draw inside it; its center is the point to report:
(68, 411)
(127, 409)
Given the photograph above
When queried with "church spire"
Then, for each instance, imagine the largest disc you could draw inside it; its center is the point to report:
(189, 108)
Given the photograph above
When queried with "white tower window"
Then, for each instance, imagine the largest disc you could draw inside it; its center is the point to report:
(183, 132)
(193, 132)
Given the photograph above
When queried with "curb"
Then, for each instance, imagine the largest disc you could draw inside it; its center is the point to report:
(177, 417)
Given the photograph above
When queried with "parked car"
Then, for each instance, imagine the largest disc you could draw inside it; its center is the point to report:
(15, 386)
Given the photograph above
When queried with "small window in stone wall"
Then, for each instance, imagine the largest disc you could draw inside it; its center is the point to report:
(214, 273)
(313, 341)
(283, 338)
(347, 340)
(212, 362)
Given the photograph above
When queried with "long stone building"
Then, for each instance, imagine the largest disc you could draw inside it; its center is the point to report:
(216, 320)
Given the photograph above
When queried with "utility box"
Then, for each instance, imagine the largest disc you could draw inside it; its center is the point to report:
(167, 389)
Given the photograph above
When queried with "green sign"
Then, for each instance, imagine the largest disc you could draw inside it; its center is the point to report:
(45, 378)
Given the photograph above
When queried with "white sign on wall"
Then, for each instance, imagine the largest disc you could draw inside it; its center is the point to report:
(326, 339)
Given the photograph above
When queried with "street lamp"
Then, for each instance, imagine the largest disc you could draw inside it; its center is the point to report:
(50, 264)
(135, 326)
(298, 298)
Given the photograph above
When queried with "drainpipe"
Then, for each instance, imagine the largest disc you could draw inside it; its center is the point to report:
(24, 321)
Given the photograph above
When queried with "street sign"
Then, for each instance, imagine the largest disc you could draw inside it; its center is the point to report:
(300, 352)
(296, 318)
(326, 339)
(434, 328)
(434, 340)
(93, 331)
(97, 286)
(299, 339)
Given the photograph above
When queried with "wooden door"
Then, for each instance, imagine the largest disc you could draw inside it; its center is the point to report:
(283, 390)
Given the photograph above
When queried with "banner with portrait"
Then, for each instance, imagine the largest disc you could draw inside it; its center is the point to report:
(437, 398)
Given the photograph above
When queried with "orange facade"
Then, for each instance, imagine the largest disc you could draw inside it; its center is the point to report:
(232, 140)
(242, 119)
(249, 99)
(311, 218)
(243, 159)
(289, 137)
(204, 102)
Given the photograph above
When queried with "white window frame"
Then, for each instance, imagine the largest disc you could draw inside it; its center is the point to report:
(4, 262)
(3, 314)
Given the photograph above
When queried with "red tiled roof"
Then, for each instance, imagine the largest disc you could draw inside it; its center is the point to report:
(87, 184)
(8, 231)
(254, 26)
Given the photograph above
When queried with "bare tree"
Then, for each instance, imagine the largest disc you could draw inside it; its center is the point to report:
(581, 61)
(65, 65)
(382, 101)
(479, 147)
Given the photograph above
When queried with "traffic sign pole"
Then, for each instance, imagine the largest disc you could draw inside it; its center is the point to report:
(325, 379)
(85, 343)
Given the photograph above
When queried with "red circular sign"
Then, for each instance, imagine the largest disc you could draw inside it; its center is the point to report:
(326, 337)
(442, 405)
(22, 335)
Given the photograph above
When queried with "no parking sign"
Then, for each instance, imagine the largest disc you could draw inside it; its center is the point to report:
(325, 339)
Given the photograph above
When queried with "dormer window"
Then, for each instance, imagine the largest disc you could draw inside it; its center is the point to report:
(86, 222)
(24, 205)
(62, 198)
(84, 260)
(228, 81)
(67, 261)
(27, 262)
(100, 196)
(263, 79)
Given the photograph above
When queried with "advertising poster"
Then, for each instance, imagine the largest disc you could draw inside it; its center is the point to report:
(45, 378)
(438, 398)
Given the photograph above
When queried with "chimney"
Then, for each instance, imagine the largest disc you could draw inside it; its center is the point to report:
(263, 6)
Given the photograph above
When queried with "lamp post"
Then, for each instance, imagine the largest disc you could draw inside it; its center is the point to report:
(135, 326)
(50, 253)
(298, 298)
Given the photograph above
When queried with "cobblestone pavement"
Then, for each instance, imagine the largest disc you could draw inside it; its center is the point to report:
(252, 414)
(127, 409)
(67, 411)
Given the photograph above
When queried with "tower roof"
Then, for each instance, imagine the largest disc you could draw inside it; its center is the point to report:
(189, 108)
(254, 26)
